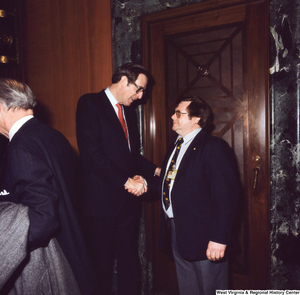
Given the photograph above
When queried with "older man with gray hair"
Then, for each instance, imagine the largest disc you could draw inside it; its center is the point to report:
(38, 172)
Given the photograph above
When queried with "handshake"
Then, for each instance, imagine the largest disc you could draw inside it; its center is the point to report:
(136, 185)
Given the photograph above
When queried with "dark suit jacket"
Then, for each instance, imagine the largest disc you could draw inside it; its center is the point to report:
(38, 171)
(204, 195)
(105, 156)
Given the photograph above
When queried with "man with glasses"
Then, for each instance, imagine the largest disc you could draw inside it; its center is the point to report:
(199, 189)
(108, 142)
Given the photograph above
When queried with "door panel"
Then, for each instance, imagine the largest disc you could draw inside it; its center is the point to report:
(210, 64)
(219, 53)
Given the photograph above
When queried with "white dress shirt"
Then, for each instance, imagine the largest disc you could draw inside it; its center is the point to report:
(17, 125)
(114, 103)
(187, 140)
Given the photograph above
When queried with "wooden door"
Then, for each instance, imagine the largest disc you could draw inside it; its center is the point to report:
(217, 50)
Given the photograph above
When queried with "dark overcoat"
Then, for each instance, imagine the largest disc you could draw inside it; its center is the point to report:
(38, 171)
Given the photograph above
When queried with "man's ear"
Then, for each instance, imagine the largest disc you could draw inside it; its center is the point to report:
(197, 119)
(1, 107)
(124, 81)
(3, 111)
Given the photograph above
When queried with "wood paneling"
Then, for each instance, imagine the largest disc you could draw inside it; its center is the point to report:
(69, 54)
(259, 199)
(13, 70)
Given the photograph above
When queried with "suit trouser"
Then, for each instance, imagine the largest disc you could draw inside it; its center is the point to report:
(116, 237)
(201, 277)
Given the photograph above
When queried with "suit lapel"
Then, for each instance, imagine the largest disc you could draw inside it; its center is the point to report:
(108, 112)
(195, 147)
(110, 116)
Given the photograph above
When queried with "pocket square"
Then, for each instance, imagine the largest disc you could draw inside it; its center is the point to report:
(4, 193)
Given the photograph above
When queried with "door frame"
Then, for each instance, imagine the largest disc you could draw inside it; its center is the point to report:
(212, 13)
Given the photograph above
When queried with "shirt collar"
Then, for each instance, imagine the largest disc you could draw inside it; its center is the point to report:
(17, 125)
(111, 98)
(189, 136)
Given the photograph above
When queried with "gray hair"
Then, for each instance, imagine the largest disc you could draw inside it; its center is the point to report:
(16, 95)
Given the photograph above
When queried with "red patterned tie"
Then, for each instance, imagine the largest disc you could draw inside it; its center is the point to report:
(122, 121)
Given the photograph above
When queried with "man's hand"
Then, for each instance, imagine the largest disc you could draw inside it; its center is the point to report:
(215, 251)
(157, 171)
(136, 185)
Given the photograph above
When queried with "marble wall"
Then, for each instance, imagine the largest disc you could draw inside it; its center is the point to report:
(284, 118)
(285, 145)
(126, 25)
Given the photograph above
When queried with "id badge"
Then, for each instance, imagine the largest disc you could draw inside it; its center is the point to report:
(172, 174)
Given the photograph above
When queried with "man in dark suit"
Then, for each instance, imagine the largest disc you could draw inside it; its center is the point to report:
(199, 198)
(38, 171)
(109, 146)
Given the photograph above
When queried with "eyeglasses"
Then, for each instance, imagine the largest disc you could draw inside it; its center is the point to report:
(139, 88)
(178, 113)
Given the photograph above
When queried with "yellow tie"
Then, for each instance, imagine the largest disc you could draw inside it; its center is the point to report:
(167, 181)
